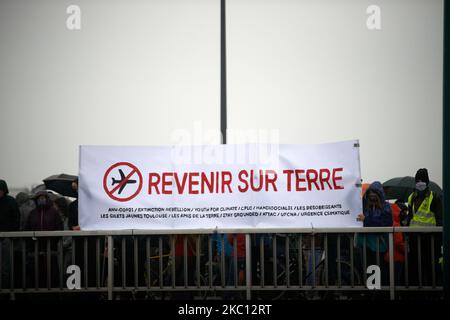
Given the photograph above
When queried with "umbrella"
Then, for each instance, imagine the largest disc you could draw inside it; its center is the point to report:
(61, 183)
(51, 194)
(40, 187)
(401, 187)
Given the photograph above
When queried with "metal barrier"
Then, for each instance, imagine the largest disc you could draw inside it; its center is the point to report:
(194, 264)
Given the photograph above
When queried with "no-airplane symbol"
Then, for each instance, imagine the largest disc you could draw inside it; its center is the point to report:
(122, 181)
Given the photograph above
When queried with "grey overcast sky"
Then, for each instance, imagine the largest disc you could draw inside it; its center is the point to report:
(139, 70)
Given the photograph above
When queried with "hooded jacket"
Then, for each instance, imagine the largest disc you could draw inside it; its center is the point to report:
(9, 210)
(375, 217)
(44, 218)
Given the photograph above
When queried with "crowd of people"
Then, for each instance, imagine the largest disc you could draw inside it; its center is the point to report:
(423, 209)
(44, 211)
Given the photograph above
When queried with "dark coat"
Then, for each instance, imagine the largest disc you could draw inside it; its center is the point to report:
(73, 214)
(9, 210)
(45, 218)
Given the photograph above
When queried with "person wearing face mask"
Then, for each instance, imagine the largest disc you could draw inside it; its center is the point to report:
(424, 206)
(44, 217)
(424, 210)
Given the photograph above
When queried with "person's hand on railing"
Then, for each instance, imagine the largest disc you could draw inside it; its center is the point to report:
(360, 217)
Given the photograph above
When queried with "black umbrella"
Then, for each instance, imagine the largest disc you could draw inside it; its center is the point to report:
(61, 183)
(401, 187)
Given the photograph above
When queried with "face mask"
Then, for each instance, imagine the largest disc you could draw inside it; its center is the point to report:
(421, 186)
(41, 202)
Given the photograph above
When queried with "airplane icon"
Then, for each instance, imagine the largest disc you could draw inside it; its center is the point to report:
(122, 177)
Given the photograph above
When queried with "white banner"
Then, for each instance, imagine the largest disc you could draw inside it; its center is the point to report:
(220, 186)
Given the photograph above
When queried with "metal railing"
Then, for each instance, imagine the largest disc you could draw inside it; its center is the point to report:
(195, 264)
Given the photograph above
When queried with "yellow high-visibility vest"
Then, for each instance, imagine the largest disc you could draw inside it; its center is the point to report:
(423, 217)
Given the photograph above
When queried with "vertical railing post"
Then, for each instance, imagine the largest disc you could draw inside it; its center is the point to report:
(185, 261)
(110, 267)
(124, 263)
(248, 266)
(274, 262)
(339, 259)
(261, 261)
(11, 263)
(352, 262)
(406, 248)
(36, 264)
(288, 270)
(86, 262)
(161, 257)
(24, 265)
(60, 263)
(210, 268)
(391, 266)
(222, 260)
(136, 261)
(49, 264)
(419, 259)
(197, 262)
(433, 265)
(173, 258)
(364, 258)
(97, 262)
(148, 261)
(235, 261)
(300, 260)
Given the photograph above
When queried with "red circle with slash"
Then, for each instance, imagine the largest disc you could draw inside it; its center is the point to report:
(134, 170)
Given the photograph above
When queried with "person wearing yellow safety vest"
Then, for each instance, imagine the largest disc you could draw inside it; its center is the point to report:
(424, 210)
(425, 207)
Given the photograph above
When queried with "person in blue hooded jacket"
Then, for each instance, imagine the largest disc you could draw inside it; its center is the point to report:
(376, 213)
(376, 210)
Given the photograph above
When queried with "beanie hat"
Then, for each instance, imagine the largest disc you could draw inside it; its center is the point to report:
(422, 175)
